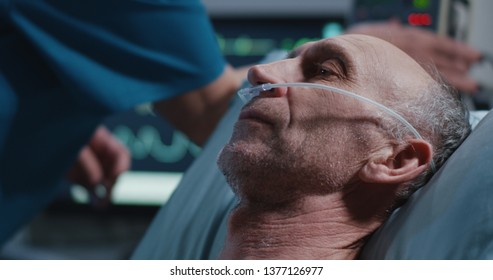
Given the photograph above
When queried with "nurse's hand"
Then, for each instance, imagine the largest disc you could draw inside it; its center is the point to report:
(99, 164)
(453, 59)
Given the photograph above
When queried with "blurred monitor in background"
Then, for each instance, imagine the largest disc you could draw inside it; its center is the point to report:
(468, 21)
(422, 13)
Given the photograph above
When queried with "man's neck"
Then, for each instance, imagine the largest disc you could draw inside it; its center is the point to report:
(319, 227)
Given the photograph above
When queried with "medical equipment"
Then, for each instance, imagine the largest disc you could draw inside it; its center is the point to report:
(247, 94)
(470, 21)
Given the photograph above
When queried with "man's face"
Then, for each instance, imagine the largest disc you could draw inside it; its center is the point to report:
(290, 142)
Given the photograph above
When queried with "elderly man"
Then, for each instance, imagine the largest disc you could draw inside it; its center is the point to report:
(316, 173)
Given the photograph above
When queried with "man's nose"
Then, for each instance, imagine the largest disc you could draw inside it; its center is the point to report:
(272, 73)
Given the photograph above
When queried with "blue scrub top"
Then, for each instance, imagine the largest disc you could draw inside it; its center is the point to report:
(67, 64)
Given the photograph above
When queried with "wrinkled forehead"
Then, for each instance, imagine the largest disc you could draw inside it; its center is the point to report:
(353, 45)
(369, 57)
(357, 46)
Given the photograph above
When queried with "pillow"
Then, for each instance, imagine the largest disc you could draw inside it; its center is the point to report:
(452, 216)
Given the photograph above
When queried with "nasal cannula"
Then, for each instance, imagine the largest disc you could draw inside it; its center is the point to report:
(247, 94)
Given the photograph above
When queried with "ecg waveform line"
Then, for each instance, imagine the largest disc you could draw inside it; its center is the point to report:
(147, 142)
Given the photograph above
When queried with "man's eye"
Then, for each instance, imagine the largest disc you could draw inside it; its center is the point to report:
(324, 71)
(330, 68)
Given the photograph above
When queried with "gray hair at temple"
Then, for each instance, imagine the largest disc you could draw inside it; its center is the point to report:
(441, 118)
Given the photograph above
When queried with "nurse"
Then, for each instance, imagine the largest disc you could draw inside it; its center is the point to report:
(65, 65)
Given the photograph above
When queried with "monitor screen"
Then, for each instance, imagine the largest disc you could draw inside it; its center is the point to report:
(421, 13)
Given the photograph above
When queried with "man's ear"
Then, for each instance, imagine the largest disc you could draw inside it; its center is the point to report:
(394, 165)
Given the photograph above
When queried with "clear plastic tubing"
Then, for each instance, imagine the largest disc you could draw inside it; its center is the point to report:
(247, 94)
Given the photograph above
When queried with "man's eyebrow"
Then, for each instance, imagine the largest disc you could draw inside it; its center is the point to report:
(331, 49)
(326, 50)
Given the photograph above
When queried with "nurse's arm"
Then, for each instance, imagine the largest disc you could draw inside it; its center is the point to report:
(196, 113)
